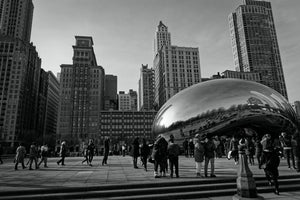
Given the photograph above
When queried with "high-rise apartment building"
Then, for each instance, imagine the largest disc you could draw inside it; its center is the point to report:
(82, 96)
(19, 74)
(111, 92)
(133, 100)
(254, 43)
(176, 68)
(146, 88)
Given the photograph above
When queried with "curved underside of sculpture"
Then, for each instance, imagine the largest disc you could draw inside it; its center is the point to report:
(224, 106)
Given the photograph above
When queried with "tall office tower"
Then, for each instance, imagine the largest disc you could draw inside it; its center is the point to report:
(250, 76)
(162, 37)
(82, 92)
(146, 89)
(176, 68)
(111, 92)
(51, 113)
(254, 43)
(48, 101)
(133, 100)
(297, 108)
(16, 18)
(19, 74)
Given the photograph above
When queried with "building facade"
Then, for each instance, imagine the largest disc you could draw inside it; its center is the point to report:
(254, 43)
(81, 96)
(111, 92)
(250, 76)
(19, 74)
(124, 126)
(176, 68)
(146, 88)
(297, 108)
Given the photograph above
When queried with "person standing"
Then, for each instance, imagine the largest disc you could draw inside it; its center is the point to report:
(233, 147)
(106, 151)
(173, 153)
(135, 151)
(145, 152)
(62, 153)
(286, 142)
(209, 154)
(199, 154)
(159, 154)
(33, 156)
(258, 151)
(20, 155)
(1, 153)
(44, 155)
(91, 151)
(185, 145)
(250, 150)
(191, 147)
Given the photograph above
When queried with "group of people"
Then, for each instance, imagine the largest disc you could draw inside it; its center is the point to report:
(34, 154)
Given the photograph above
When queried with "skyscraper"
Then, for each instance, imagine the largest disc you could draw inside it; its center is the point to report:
(176, 68)
(146, 88)
(19, 73)
(82, 92)
(127, 102)
(111, 92)
(254, 43)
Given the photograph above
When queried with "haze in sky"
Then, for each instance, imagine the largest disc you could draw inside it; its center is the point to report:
(123, 33)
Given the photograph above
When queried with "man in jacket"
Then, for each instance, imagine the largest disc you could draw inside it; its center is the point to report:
(209, 149)
(173, 153)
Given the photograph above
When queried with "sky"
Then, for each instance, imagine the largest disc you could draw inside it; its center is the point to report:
(123, 34)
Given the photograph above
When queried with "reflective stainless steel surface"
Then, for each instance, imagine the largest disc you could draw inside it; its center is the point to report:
(222, 107)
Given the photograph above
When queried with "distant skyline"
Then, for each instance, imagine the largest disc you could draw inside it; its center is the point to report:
(123, 33)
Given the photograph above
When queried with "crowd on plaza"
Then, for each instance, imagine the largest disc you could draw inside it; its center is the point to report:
(165, 154)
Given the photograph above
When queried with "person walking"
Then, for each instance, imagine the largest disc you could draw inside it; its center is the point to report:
(199, 153)
(173, 154)
(106, 151)
(145, 152)
(270, 161)
(135, 151)
(20, 155)
(209, 154)
(91, 151)
(62, 153)
(85, 153)
(33, 156)
(258, 151)
(44, 155)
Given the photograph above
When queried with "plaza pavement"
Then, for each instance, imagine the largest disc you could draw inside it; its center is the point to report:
(118, 171)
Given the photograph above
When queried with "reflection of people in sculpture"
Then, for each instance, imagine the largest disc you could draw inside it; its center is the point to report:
(270, 161)
(258, 151)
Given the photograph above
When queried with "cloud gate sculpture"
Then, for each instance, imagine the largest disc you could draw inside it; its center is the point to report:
(223, 107)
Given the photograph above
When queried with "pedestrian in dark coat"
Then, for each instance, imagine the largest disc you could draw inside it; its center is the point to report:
(33, 156)
(135, 151)
(209, 154)
(44, 155)
(173, 153)
(20, 155)
(85, 153)
(185, 145)
(199, 153)
(145, 152)
(1, 152)
(62, 153)
(159, 154)
(91, 151)
(106, 151)
(258, 151)
(286, 142)
(233, 146)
